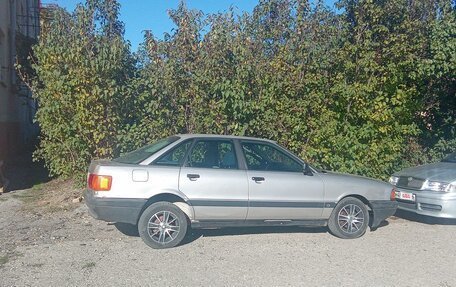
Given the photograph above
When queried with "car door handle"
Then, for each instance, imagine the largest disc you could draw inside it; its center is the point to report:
(193, 176)
(258, 178)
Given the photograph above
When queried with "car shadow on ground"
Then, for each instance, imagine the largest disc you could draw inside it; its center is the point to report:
(195, 234)
(132, 230)
(126, 228)
(382, 224)
(424, 219)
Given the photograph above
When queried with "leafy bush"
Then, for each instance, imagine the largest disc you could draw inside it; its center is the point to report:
(83, 66)
(367, 90)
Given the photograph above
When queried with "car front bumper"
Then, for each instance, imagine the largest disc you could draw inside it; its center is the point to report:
(125, 210)
(436, 204)
(382, 209)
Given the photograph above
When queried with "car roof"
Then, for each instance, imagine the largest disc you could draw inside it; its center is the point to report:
(187, 136)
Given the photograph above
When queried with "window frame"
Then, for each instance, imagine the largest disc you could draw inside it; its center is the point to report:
(239, 160)
(190, 141)
(120, 159)
(278, 148)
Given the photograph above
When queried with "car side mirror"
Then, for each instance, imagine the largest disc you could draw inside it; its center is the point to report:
(307, 170)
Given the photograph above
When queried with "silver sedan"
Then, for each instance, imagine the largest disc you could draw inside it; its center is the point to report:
(428, 189)
(212, 181)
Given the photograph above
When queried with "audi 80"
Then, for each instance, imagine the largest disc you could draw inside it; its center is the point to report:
(428, 190)
(214, 181)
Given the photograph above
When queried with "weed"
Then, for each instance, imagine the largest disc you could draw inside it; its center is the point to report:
(88, 265)
(36, 265)
(8, 257)
(38, 186)
(3, 260)
(29, 196)
(51, 197)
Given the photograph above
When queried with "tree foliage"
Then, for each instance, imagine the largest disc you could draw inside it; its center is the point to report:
(367, 89)
(83, 67)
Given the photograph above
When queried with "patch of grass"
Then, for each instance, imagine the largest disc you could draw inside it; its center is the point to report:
(8, 257)
(29, 196)
(88, 265)
(54, 208)
(3, 260)
(51, 197)
(3, 199)
(38, 186)
(36, 265)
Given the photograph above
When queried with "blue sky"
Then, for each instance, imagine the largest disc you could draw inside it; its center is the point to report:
(140, 15)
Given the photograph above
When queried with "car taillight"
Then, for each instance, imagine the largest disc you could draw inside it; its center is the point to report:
(99, 182)
(393, 194)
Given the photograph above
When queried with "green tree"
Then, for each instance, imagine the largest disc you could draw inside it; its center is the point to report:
(437, 77)
(368, 89)
(82, 67)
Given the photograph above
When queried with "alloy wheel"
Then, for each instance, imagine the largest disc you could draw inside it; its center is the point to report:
(350, 218)
(163, 227)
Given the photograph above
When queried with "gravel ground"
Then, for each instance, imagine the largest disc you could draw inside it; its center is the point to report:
(69, 248)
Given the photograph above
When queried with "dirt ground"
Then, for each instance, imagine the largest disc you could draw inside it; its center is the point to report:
(54, 242)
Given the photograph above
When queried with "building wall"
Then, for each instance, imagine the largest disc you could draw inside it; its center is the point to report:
(19, 23)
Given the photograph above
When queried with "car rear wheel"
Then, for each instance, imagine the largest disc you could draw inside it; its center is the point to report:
(162, 225)
(349, 219)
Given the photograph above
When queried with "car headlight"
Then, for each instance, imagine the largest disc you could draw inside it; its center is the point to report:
(393, 180)
(438, 186)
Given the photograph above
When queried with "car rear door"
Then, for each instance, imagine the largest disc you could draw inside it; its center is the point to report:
(278, 188)
(212, 181)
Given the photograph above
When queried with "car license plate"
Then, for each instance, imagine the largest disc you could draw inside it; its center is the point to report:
(407, 196)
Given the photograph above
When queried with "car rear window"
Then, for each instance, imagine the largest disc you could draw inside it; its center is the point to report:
(143, 153)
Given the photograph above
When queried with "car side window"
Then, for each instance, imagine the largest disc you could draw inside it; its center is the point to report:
(175, 156)
(264, 157)
(213, 154)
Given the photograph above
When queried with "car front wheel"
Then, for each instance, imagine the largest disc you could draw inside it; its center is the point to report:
(162, 225)
(349, 219)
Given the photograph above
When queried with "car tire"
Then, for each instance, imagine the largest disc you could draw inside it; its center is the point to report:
(162, 225)
(349, 219)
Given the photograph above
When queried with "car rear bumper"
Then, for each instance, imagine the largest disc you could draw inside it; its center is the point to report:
(436, 204)
(126, 210)
(382, 209)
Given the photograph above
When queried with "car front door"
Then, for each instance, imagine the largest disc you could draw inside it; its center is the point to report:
(278, 188)
(211, 179)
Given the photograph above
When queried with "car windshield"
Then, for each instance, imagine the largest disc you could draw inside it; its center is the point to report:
(141, 154)
(450, 158)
